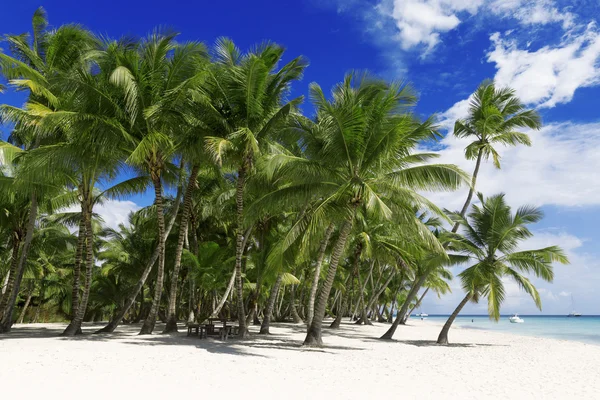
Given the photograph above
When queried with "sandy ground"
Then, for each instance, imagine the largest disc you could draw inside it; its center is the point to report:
(35, 364)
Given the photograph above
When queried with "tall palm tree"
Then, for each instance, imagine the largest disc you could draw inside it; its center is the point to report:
(37, 64)
(147, 72)
(492, 235)
(364, 163)
(495, 114)
(250, 100)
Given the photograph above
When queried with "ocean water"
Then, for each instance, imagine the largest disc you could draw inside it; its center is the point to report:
(583, 329)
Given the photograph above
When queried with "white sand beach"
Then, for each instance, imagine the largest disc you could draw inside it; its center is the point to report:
(478, 365)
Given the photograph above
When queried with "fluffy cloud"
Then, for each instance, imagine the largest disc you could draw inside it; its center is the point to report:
(115, 212)
(559, 169)
(551, 74)
(112, 212)
(419, 22)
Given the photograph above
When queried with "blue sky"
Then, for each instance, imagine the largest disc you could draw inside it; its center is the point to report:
(549, 51)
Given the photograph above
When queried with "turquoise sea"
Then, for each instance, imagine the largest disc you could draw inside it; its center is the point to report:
(582, 329)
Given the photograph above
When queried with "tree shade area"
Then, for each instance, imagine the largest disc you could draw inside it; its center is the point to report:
(259, 212)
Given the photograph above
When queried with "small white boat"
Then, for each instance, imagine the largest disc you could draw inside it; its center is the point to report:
(573, 313)
(515, 319)
(422, 315)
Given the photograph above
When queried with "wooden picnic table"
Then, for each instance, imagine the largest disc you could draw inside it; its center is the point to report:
(211, 329)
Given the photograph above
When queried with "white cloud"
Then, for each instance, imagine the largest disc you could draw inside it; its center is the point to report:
(564, 294)
(551, 74)
(112, 212)
(419, 22)
(560, 168)
(532, 12)
(115, 212)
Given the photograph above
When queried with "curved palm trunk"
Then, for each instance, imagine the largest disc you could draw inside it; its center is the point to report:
(317, 273)
(239, 250)
(7, 314)
(10, 277)
(414, 290)
(313, 335)
(75, 326)
(221, 303)
(417, 304)
(26, 305)
(340, 312)
(443, 337)
(150, 321)
(171, 325)
(264, 328)
(471, 190)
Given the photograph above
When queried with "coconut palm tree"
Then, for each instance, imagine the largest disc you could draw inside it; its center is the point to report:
(364, 160)
(495, 115)
(492, 236)
(38, 63)
(251, 104)
(148, 72)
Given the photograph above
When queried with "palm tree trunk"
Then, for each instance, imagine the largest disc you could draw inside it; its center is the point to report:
(417, 304)
(239, 250)
(75, 326)
(362, 298)
(471, 190)
(10, 276)
(340, 311)
(150, 321)
(295, 315)
(113, 323)
(171, 325)
(264, 328)
(221, 303)
(443, 337)
(313, 335)
(414, 290)
(77, 267)
(317, 274)
(4, 284)
(29, 296)
(7, 314)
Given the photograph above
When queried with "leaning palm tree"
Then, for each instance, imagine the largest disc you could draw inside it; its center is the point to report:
(492, 235)
(494, 117)
(363, 164)
(249, 96)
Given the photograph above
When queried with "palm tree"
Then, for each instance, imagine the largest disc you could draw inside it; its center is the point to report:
(38, 64)
(494, 117)
(492, 235)
(148, 72)
(250, 99)
(426, 263)
(363, 159)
